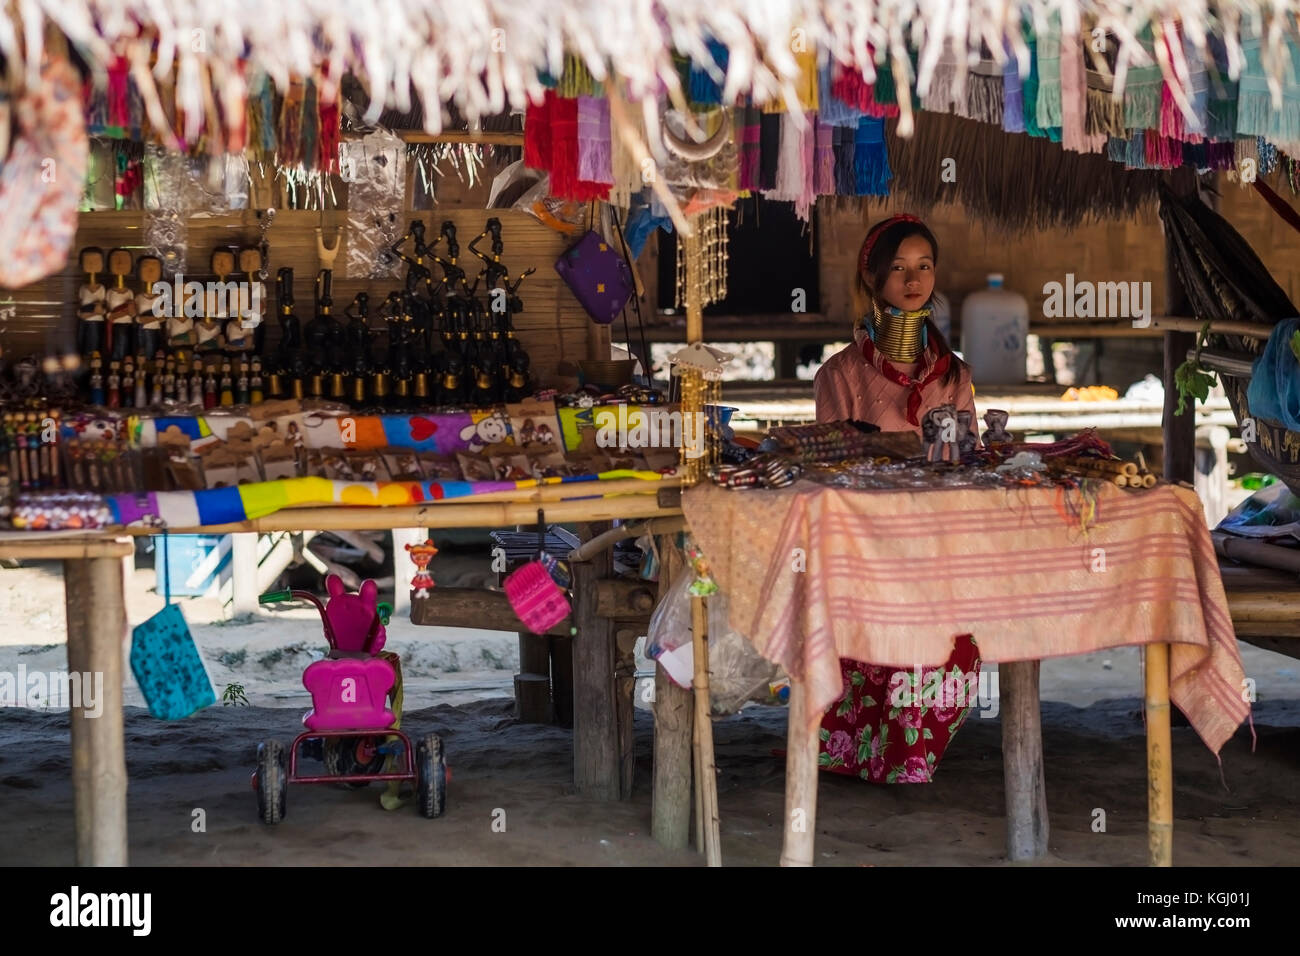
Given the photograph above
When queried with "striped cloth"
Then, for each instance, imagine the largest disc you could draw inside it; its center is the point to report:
(890, 577)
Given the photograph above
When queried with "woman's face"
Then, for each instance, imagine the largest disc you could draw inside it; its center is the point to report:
(910, 281)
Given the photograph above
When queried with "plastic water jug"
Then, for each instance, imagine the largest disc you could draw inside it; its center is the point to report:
(942, 316)
(994, 332)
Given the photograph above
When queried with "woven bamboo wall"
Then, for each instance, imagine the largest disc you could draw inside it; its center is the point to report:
(1117, 251)
(553, 327)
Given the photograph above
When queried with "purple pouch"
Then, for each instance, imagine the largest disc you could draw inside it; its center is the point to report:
(598, 276)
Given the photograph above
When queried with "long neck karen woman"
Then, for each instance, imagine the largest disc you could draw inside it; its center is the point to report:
(899, 365)
(885, 729)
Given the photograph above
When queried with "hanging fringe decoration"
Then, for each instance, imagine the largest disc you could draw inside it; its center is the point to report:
(537, 133)
(1047, 63)
(940, 97)
(1171, 116)
(1013, 97)
(750, 131)
(769, 150)
(984, 95)
(1162, 152)
(845, 168)
(1259, 112)
(308, 149)
(1142, 97)
(595, 161)
(328, 153)
(824, 160)
(261, 118)
(119, 105)
(290, 126)
(832, 110)
(1105, 116)
(871, 172)
(1074, 103)
(576, 80)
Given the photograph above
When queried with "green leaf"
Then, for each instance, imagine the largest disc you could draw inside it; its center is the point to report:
(846, 707)
(911, 735)
(824, 734)
(823, 760)
(864, 750)
(856, 678)
(1192, 381)
(927, 733)
(868, 700)
(930, 758)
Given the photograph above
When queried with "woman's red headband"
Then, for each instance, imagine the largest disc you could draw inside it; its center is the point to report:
(876, 232)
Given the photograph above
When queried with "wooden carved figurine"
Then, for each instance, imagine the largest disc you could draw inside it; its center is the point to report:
(216, 305)
(148, 312)
(252, 301)
(120, 302)
(91, 308)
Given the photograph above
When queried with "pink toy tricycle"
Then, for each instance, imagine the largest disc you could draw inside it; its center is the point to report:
(350, 726)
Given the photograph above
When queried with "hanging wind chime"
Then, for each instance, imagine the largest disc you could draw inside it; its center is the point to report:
(708, 247)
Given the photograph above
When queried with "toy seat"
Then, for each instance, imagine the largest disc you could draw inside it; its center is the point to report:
(351, 616)
(349, 694)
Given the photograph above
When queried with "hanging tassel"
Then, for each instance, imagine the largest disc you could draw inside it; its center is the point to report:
(1196, 156)
(769, 157)
(1116, 149)
(871, 173)
(1222, 155)
(845, 170)
(1135, 157)
(1162, 152)
(577, 79)
(984, 97)
(824, 160)
(939, 98)
(328, 154)
(1105, 116)
(748, 179)
(119, 107)
(832, 110)
(1047, 65)
(807, 195)
(1074, 103)
(1142, 97)
(1257, 114)
(595, 157)
(1246, 148)
(537, 133)
(307, 149)
(1171, 117)
(563, 163)
(1029, 91)
(806, 85)
(290, 128)
(791, 161)
(1013, 101)
(848, 86)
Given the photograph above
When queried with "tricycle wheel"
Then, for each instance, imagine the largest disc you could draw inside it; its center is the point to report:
(347, 755)
(272, 782)
(431, 768)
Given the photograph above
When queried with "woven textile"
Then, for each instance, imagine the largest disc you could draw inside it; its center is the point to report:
(891, 577)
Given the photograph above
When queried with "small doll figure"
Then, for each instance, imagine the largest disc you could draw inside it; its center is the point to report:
(421, 555)
(252, 305)
(91, 308)
(148, 314)
(703, 585)
(216, 306)
(120, 303)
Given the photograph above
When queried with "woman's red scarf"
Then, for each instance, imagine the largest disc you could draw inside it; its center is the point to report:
(895, 375)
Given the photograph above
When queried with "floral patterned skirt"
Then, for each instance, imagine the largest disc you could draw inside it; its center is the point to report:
(892, 726)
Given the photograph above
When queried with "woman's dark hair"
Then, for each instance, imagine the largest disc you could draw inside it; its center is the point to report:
(867, 286)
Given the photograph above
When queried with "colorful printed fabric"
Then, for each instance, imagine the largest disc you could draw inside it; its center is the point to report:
(42, 178)
(893, 726)
(219, 506)
(891, 576)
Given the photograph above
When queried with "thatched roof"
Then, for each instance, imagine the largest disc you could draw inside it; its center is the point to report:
(484, 55)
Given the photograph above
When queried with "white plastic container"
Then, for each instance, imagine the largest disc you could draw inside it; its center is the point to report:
(994, 335)
(942, 316)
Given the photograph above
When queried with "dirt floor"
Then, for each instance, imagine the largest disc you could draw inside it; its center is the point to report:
(458, 685)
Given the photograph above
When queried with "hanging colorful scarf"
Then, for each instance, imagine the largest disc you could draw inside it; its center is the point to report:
(1256, 112)
(1221, 156)
(119, 101)
(1142, 90)
(824, 160)
(751, 126)
(1162, 152)
(806, 84)
(537, 133)
(1047, 60)
(290, 127)
(831, 110)
(565, 181)
(1221, 100)
(328, 151)
(794, 172)
(1013, 102)
(845, 175)
(941, 96)
(983, 100)
(595, 160)
(307, 150)
(915, 386)
(769, 145)
(1135, 156)
(871, 159)
(576, 80)
(704, 81)
(1074, 103)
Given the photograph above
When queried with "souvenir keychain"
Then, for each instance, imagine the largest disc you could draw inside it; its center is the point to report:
(703, 585)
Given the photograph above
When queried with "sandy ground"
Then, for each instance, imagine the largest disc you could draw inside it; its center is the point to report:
(458, 685)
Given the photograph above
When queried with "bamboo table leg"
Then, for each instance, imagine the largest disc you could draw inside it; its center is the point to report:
(706, 781)
(800, 781)
(1160, 766)
(96, 624)
(1022, 761)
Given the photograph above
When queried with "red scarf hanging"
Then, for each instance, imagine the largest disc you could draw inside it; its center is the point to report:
(895, 375)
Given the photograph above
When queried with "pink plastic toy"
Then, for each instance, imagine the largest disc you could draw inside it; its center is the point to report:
(350, 726)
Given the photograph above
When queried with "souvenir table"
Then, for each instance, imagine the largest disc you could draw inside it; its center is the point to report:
(892, 576)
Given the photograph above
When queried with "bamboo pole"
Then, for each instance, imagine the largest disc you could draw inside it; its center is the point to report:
(37, 548)
(479, 515)
(1249, 330)
(1160, 769)
(707, 782)
(96, 624)
(1022, 761)
(800, 780)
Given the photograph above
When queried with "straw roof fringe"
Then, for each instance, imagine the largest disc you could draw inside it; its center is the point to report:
(1017, 183)
(485, 55)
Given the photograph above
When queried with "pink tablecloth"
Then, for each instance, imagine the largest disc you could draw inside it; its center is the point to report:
(889, 577)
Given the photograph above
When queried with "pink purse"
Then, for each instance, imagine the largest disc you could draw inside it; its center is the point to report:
(533, 593)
